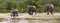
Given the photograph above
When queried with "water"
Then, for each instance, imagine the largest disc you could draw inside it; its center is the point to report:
(32, 21)
(5, 22)
(36, 21)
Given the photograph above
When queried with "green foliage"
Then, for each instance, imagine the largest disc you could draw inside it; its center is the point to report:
(7, 5)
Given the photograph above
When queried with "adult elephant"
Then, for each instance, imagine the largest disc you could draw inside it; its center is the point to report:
(49, 8)
(31, 9)
(14, 12)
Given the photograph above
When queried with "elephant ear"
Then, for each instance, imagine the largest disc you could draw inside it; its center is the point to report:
(34, 6)
(52, 6)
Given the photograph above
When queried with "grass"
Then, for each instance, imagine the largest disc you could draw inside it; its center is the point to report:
(43, 19)
(35, 18)
(1, 19)
(16, 18)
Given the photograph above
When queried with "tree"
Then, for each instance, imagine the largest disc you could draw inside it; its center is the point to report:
(9, 5)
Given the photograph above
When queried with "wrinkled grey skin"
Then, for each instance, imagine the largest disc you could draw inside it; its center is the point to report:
(14, 12)
(49, 8)
(31, 9)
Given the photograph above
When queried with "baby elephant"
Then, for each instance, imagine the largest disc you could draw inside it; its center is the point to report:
(49, 8)
(31, 9)
(14, 12)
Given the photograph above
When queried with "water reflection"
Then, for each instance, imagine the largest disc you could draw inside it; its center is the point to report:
(36, 21)
(20, 21)
(5, 22)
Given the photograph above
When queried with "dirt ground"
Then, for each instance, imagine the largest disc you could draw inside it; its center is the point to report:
(7, 16)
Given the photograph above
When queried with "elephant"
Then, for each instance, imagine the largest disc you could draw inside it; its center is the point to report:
(49, 8)
(31, 9)
(14, 12)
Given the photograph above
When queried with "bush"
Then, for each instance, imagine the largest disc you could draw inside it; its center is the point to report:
(7, 5)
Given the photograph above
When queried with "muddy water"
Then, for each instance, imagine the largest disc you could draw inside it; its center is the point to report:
(36, 21)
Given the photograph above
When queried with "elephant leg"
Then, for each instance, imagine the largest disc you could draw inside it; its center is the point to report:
(13, 15)
(30, 12)
(35, 12)
(47, 12)
(51, 12)
(17, 14)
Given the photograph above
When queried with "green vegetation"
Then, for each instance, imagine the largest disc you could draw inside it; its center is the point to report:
(16, 18)
(7, 5)
(1, 19)
(35, 18)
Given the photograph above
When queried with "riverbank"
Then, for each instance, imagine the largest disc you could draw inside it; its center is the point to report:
(26, 16)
